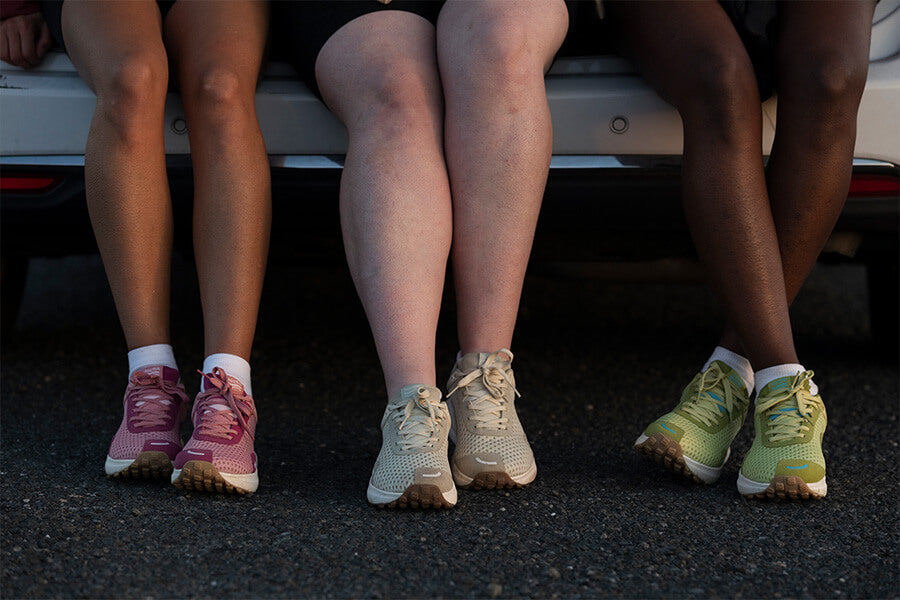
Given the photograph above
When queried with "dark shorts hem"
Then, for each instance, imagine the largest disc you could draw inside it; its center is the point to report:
(300, 29)
(52, 10)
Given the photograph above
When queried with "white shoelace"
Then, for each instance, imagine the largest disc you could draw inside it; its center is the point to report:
(485, 389)
(417, 420)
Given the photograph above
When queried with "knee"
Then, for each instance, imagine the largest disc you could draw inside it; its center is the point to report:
(721, 90)
(503, 47)
(505, 58)
(132, 96)
(831, 80)
(400, 103)
(218, 97)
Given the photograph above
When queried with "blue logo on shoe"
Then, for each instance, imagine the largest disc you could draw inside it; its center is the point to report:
(663, 425)
(803, 466)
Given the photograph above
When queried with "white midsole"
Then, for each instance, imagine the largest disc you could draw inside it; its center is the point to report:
(245, 481)
(525, 478)
(747, 486)
(379, 497)
(115, 465)
(704, 473)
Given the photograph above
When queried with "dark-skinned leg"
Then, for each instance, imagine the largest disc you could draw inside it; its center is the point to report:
(820, 85)
(690, 52)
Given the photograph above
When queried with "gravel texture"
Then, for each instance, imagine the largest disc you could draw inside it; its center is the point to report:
(595, 362)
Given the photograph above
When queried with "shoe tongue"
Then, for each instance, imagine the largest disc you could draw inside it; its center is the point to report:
(166, 373)
(473, 360)
(411, 393)
(237, 389)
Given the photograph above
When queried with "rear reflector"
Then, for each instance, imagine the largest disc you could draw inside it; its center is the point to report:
(28, 183)
(874, 185)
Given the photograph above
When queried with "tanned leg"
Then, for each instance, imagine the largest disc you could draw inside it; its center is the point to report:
(117, 47)
(216, 50)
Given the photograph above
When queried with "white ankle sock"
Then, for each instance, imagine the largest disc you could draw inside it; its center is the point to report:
(737, 362)
(766, 376)
(233, 365)
(148, 356)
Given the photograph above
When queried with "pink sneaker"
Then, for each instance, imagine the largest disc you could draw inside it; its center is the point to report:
(149, 436)
(219, 456)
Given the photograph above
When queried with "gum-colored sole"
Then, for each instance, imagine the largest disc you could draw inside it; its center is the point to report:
(489, 480)
(203, 476)
(147, 465)
(667, 452)
(786, 487)
(420, 496)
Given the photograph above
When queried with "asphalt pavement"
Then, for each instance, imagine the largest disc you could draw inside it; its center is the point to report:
(595, 362)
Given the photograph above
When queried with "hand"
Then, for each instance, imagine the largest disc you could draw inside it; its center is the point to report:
(24, 40)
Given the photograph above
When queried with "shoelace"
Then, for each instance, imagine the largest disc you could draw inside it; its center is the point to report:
(788, 414)
(417, 421)
(487, 408)
(707, 405)
(152, 398)
(219, 422)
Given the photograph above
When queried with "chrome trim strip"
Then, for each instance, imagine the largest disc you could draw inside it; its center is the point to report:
(567, 161)
(67, 160)
(321, 161)
(865, 162)
(306, 161)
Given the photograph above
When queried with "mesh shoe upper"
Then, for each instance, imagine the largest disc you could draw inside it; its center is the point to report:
(224, 420)
(155, 405)
(485, 424)
(414, 430)
(790, 423)
(709, 415)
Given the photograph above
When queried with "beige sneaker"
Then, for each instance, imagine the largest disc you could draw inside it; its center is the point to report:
(412, 469)
(492, 451)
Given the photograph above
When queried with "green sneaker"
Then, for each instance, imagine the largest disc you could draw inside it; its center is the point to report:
(695, 438)
(785, 460)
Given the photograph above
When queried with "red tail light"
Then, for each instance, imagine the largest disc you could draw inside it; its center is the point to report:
(874, 185)
(28, 184)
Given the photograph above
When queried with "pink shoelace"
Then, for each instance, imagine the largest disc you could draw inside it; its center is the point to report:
(153, 398)
(219, 422)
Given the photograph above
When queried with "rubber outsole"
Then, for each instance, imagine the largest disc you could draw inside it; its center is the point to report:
(666, 452)
(493, 480)
(147, 465)
(416, 496)
(202, 476)
(782, 487)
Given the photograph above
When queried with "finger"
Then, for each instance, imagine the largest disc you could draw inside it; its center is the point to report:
(45, 42)
(4, 43)
(28, 51)
(15, 47)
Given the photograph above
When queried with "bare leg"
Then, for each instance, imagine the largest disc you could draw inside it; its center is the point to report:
(379, 75)
(498, 143)
(118, 50)
(820, 85)
(216, 50)
(692, 55)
